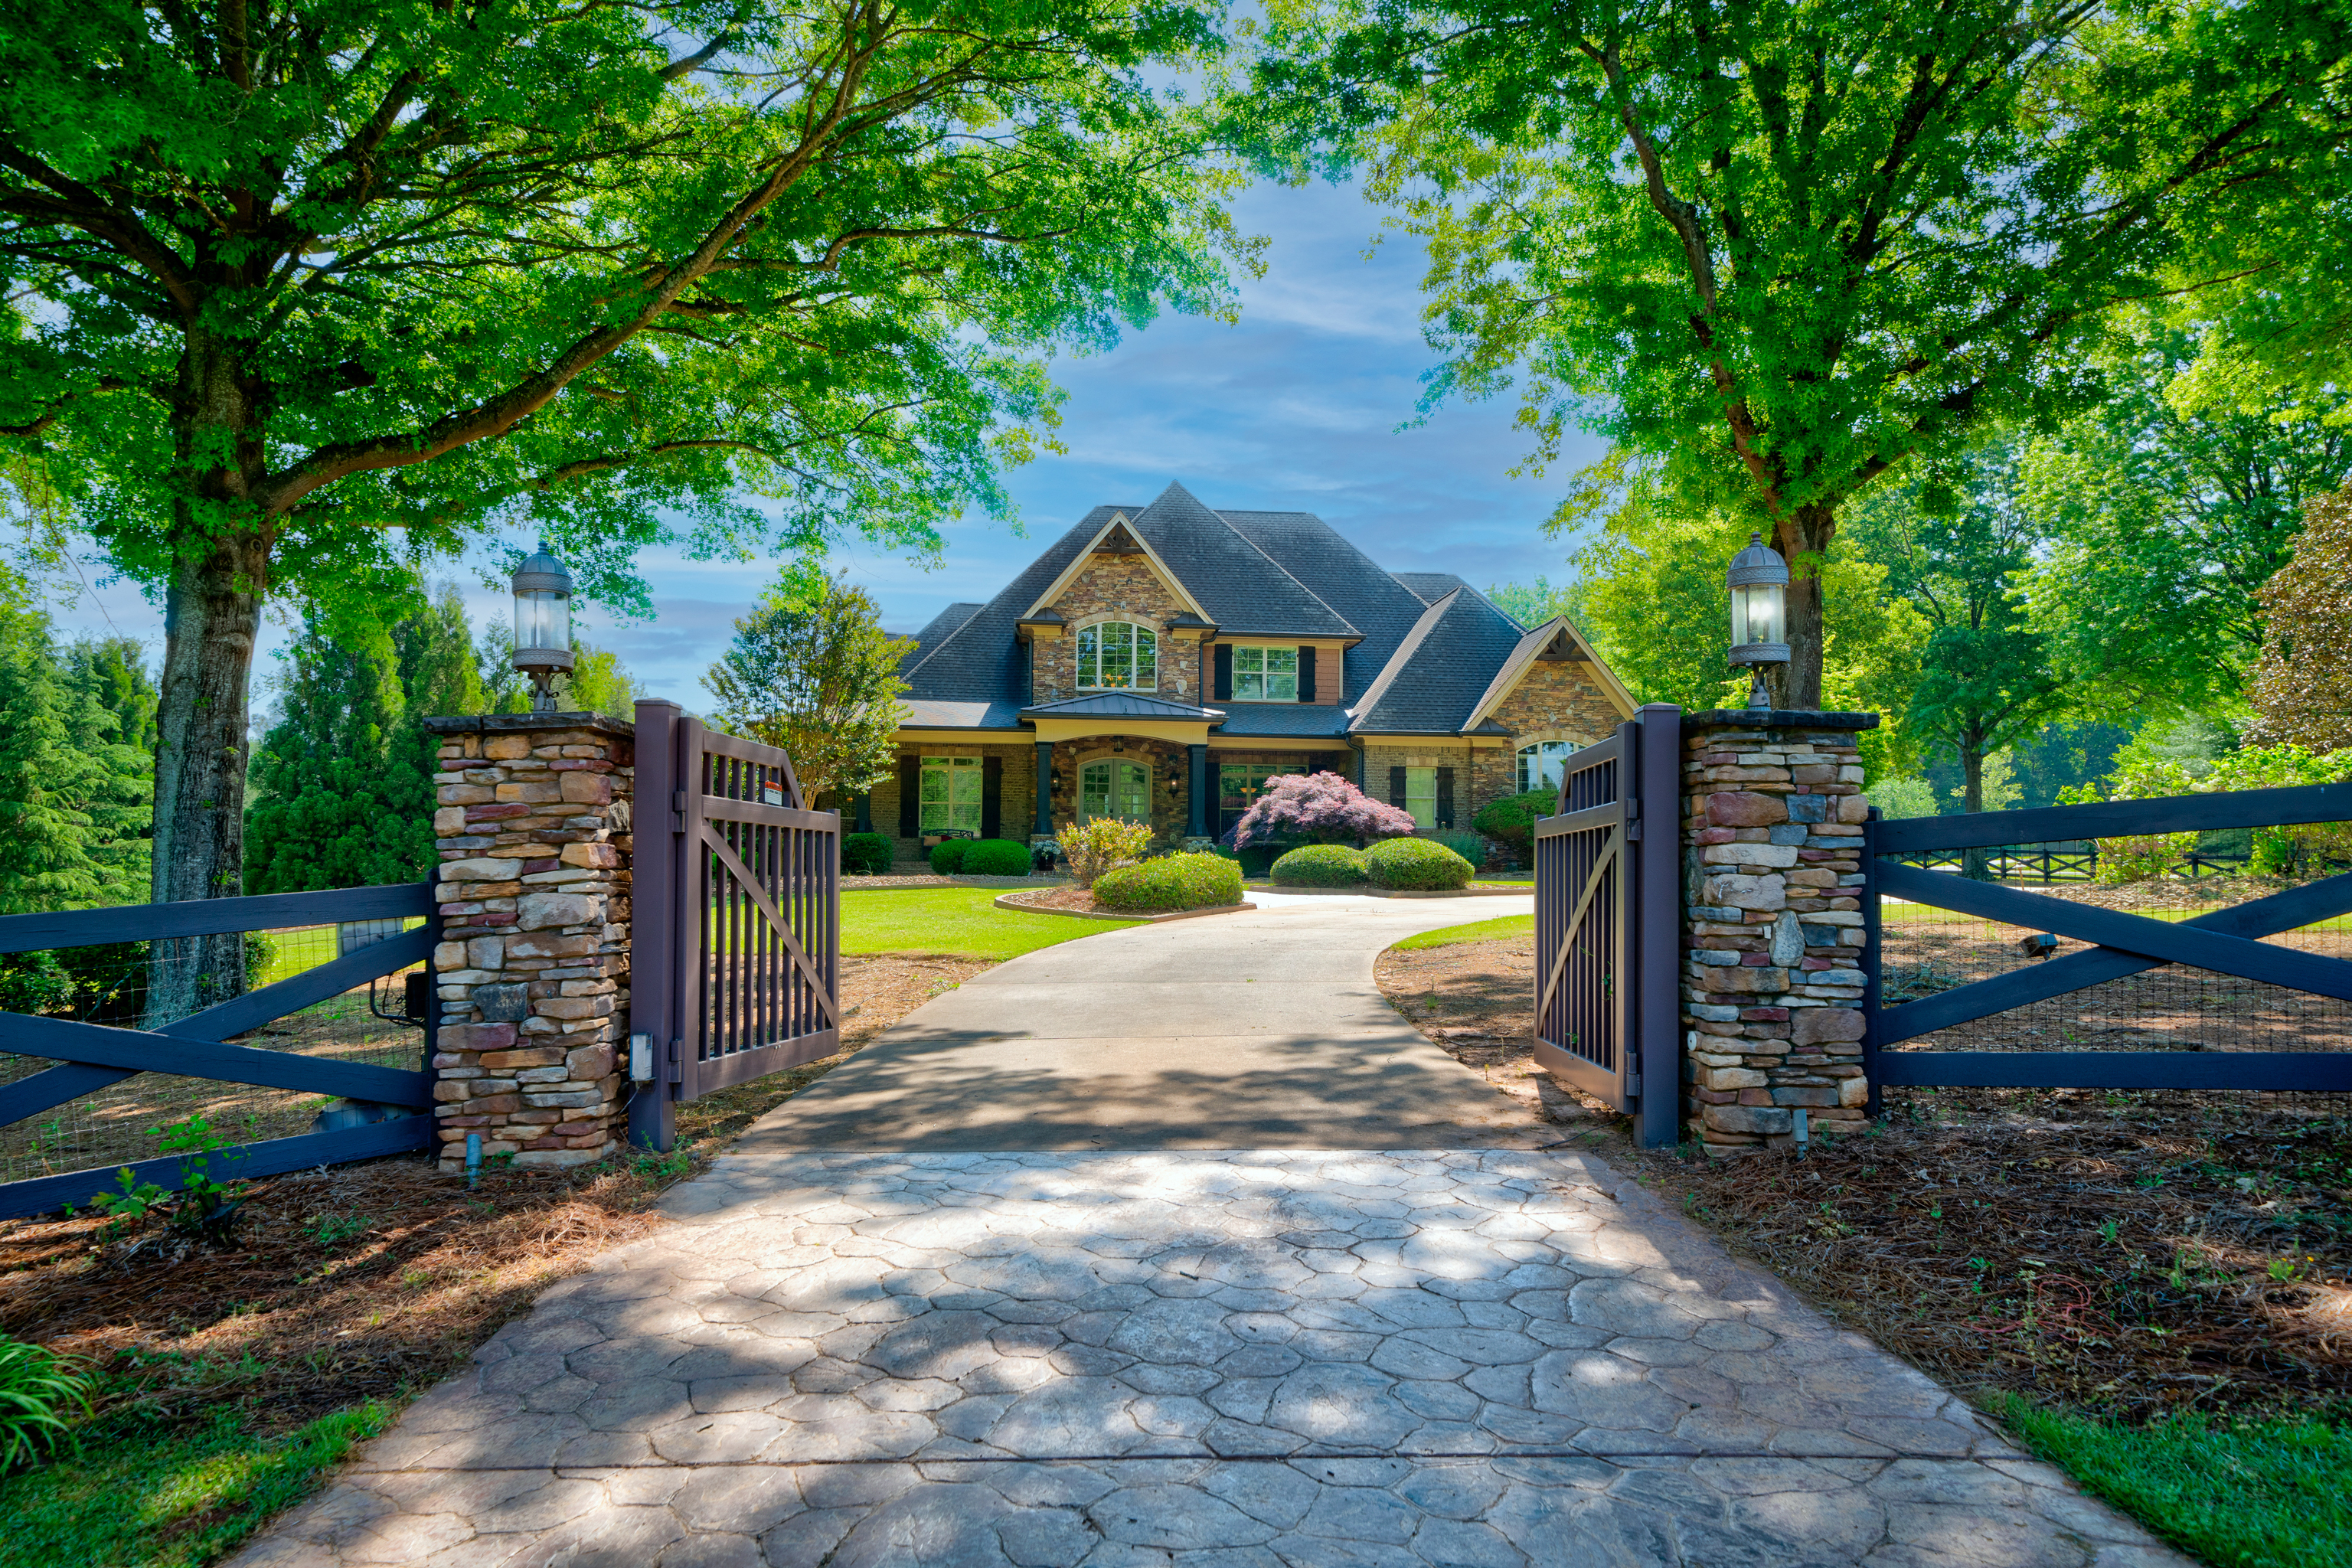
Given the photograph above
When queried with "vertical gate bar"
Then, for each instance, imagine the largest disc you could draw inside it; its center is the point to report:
(1870, 981)
(1624, 1058)
(833, 923)
(694, 933)
(653, 936)
(1658, 945)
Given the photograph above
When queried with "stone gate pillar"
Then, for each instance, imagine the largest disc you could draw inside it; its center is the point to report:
(533, 833)
(1772, 925)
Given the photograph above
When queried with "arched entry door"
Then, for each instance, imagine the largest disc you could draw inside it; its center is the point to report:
(1114, 786)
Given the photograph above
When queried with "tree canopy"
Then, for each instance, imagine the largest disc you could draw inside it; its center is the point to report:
(812, 671)
(1780, 249)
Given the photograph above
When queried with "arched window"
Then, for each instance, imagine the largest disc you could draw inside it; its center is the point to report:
(1117, 656)
(1539, 764)
(1115, 787)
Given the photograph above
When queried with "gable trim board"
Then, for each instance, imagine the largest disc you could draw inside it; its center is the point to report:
(1079, 562)
(1515, 670)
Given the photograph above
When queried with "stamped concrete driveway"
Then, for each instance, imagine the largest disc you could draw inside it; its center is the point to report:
(1238, 1358)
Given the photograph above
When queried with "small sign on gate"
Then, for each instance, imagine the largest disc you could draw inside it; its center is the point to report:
(771, 794)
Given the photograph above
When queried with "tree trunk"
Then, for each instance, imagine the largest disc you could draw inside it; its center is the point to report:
(1976, 862)
(212, 614)
(1801, 539)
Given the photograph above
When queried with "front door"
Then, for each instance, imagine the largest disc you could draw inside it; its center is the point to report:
(1115, 787)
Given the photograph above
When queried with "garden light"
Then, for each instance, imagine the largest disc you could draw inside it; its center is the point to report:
(1759, 581)
(543, 624)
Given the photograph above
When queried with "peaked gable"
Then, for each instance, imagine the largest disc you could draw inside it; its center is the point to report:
(1439, 672)
(1246, 591)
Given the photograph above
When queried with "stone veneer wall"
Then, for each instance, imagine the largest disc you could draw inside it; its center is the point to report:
(534, 830)
(1554, 698)
(1168, 761)
(1773, 926)
(1119, 586)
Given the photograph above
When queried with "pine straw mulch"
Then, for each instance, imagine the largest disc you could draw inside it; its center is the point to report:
(2126, 1253)
(372, 1280)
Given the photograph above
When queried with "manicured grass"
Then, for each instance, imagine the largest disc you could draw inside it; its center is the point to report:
(961, 923)
(2253, 1494)
(1476, 931)
(141, 1496)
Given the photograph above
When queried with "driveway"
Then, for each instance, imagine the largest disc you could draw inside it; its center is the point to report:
(1237, 1357)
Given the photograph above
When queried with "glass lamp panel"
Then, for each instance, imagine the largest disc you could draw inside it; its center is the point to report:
(1757, 610)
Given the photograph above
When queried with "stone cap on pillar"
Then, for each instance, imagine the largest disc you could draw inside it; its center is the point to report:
(1778, 718)
(521, 724)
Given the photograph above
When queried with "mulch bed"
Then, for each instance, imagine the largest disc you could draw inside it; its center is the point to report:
(2127, 1253)
(373, 1279)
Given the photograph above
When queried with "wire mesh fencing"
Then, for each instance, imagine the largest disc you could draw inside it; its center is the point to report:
(151, 984)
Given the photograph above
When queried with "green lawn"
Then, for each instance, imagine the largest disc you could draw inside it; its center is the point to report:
(144, 1496)
(1476, 931)
(2260, 1494)
(960, 923)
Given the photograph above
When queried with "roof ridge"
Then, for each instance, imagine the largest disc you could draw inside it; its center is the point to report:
(1286, 571)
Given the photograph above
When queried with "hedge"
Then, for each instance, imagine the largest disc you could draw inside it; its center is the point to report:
(1417, 864)
(1170, 882)
(996, 858)
(1512, 818)
(867, 854)
(1321, 866)
(947, 855)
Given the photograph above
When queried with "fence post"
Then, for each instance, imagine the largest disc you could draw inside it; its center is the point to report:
(653, 937)
(1872, 983)
(1657, 774)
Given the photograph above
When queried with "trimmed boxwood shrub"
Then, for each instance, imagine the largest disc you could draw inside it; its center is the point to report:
(1321, 866)
(865, 854)
(1471, 847)
(1170, 882)
(996, 858)
(1417, 864)
(947, 855)
(1512, 818)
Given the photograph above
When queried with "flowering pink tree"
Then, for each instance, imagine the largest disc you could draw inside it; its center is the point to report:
(1320, 808)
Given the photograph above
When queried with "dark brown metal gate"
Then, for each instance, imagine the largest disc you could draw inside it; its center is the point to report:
(1606, 1012)
(736, 948)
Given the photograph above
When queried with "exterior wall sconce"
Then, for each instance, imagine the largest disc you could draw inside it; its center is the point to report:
(543, 624)
(1759, 581)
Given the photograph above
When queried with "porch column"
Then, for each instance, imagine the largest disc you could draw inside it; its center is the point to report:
(1044, 828)
(1196, 821)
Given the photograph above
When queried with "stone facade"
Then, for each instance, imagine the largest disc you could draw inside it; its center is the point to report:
(1557, 699)
(534, 965)
(1772, 933)
(1121, 587)
(1169, 764)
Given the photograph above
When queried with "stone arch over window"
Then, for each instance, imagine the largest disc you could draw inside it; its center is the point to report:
(1118, 652)
(1539, 754)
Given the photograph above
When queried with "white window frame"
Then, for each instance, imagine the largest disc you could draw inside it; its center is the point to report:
(957, 777)
(1548, 757)
(1109, 794)
(1134, 646)
(1265, 674)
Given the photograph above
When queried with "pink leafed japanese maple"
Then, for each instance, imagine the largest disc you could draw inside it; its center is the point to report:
(1318, 808)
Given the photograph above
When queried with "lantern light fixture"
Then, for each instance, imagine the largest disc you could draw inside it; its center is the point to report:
(543, 624)
(1759, 581)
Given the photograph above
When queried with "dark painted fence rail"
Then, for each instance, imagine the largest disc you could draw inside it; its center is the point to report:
(92, 1056)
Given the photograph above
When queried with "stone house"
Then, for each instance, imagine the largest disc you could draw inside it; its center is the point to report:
(1160, 662)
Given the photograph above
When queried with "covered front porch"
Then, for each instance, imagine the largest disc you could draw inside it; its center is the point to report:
(1153, 760)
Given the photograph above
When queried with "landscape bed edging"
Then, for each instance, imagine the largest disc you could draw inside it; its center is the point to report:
(1402, 892)
(1011, 902)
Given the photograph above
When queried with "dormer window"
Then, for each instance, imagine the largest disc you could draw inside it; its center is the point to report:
(1265, 674)
(1117, 656)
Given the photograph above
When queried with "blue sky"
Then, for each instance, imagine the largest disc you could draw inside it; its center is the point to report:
(1295, 408)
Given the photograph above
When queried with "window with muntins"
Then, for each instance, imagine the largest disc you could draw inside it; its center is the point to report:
(1115, 788)
(1117, 656)
(951, 795)
(1265, 675)
(1539, 764)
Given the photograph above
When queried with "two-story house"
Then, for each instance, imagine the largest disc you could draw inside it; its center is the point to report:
(1159, 662)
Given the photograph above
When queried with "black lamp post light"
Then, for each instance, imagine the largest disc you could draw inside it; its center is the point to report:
(1759, 580)
(543, 624)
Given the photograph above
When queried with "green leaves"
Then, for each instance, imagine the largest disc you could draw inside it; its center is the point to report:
(812, 671)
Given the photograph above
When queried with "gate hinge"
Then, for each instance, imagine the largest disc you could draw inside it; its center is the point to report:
(676, 1072)
(1633, 1083)
(1633, 829)
(677, 811)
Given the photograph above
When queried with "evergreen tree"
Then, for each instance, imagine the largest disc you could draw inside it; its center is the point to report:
(113, 671)
(73, 799)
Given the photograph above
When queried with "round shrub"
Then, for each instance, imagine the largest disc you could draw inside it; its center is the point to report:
(1417, 864)
(1321, 866)
(1512, 818)
(1170, 882)
(867, 854)
(947, 855)
(996, 858)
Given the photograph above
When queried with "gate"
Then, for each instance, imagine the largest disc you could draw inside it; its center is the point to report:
(92, 1057)
(1607, 916)
(2225, 942)
(735, 959)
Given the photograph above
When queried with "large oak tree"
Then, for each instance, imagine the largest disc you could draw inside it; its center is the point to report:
(301, 292)
(1783, 244)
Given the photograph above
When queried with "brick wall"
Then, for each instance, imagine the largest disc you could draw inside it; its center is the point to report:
(1773, 930)
(1379, 756)
(533, 831)
(1020, 797)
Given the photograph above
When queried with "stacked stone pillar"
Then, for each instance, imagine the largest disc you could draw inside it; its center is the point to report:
(1772, 934)
(534, 965)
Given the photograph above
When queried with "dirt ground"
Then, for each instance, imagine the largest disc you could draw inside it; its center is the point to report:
(365, 1280)
(2123, 1252)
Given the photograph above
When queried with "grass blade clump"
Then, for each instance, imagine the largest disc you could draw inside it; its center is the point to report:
(41, 1396)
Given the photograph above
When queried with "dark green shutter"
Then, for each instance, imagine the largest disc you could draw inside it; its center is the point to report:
(1397, 789)
(991, 795)
(1225, 672)
(910, 792)
(1445, 798)
(1307, 675)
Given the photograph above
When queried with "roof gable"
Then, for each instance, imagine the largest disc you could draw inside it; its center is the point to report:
(1439, 672)
(1117, 536)
(1556, 635)
(1238, 585)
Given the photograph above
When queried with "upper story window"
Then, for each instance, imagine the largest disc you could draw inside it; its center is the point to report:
(1117, 656)
(1265, 675)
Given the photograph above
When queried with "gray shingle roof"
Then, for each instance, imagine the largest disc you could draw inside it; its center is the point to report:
(1311, 720)
(1381, 608)
(1445, 667)
(1431, 586)
(930, 713)
(1244, 590)
(931, 635)
(982, 661)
